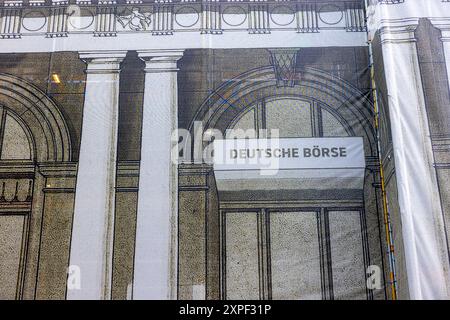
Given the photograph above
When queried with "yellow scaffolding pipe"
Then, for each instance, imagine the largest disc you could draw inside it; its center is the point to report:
(387, 223)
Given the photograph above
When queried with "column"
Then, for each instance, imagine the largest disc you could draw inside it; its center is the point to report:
(421, 213)
(93, 221)
(156, 237)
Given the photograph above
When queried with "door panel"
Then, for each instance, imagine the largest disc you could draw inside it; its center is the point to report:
(241, 264)
(292, 259)
(295, 258)
(347, 255)
(11, 236)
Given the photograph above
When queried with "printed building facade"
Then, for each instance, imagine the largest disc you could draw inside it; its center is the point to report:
(92, 207)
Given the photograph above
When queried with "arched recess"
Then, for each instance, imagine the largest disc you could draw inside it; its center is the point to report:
(352, 108)
(37, 181)
(51, 138)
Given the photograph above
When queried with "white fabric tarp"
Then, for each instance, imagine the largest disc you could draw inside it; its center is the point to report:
(411, 82)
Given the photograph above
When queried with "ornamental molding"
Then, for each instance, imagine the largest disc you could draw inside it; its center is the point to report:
(402, 30)
(381, 11)
(157, 61)
(284, 63)
(398, 31)
(135, 20)
(110, 18)
(442, 24)
(391, 2)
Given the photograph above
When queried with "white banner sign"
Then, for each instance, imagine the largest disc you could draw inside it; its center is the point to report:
(289, 153)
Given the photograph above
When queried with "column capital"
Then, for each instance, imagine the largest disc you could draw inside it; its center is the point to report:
(442, 24)
(102, 61)
(398, 30)
(160, 60)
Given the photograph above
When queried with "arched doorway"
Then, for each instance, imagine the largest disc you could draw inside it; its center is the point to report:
(16, 156)
(33, 133)
(318, 242)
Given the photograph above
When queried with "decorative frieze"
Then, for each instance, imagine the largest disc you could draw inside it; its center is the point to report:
(307, 19)
(105, 24)
(163, 18)
(57, 25)
(135, 20)
(10, 20)
(108, 18)
(258, 18)
(211, 18)
(36, 3)
(355, 17)
(15, 189)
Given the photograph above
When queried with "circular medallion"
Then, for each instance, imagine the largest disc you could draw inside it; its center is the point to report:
(79, 18)
(234, 16)
(330, 14)
(186, 17)
(282, 15)
(34, 21)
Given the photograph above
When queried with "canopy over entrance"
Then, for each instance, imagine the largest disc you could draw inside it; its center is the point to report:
(289, 168)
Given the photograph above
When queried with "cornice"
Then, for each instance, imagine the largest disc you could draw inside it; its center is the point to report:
(442, 24)
(398, 30)
(59, 169)
(108, 18)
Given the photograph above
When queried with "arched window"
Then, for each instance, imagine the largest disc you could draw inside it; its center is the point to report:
(292, 117)
(15, 141)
